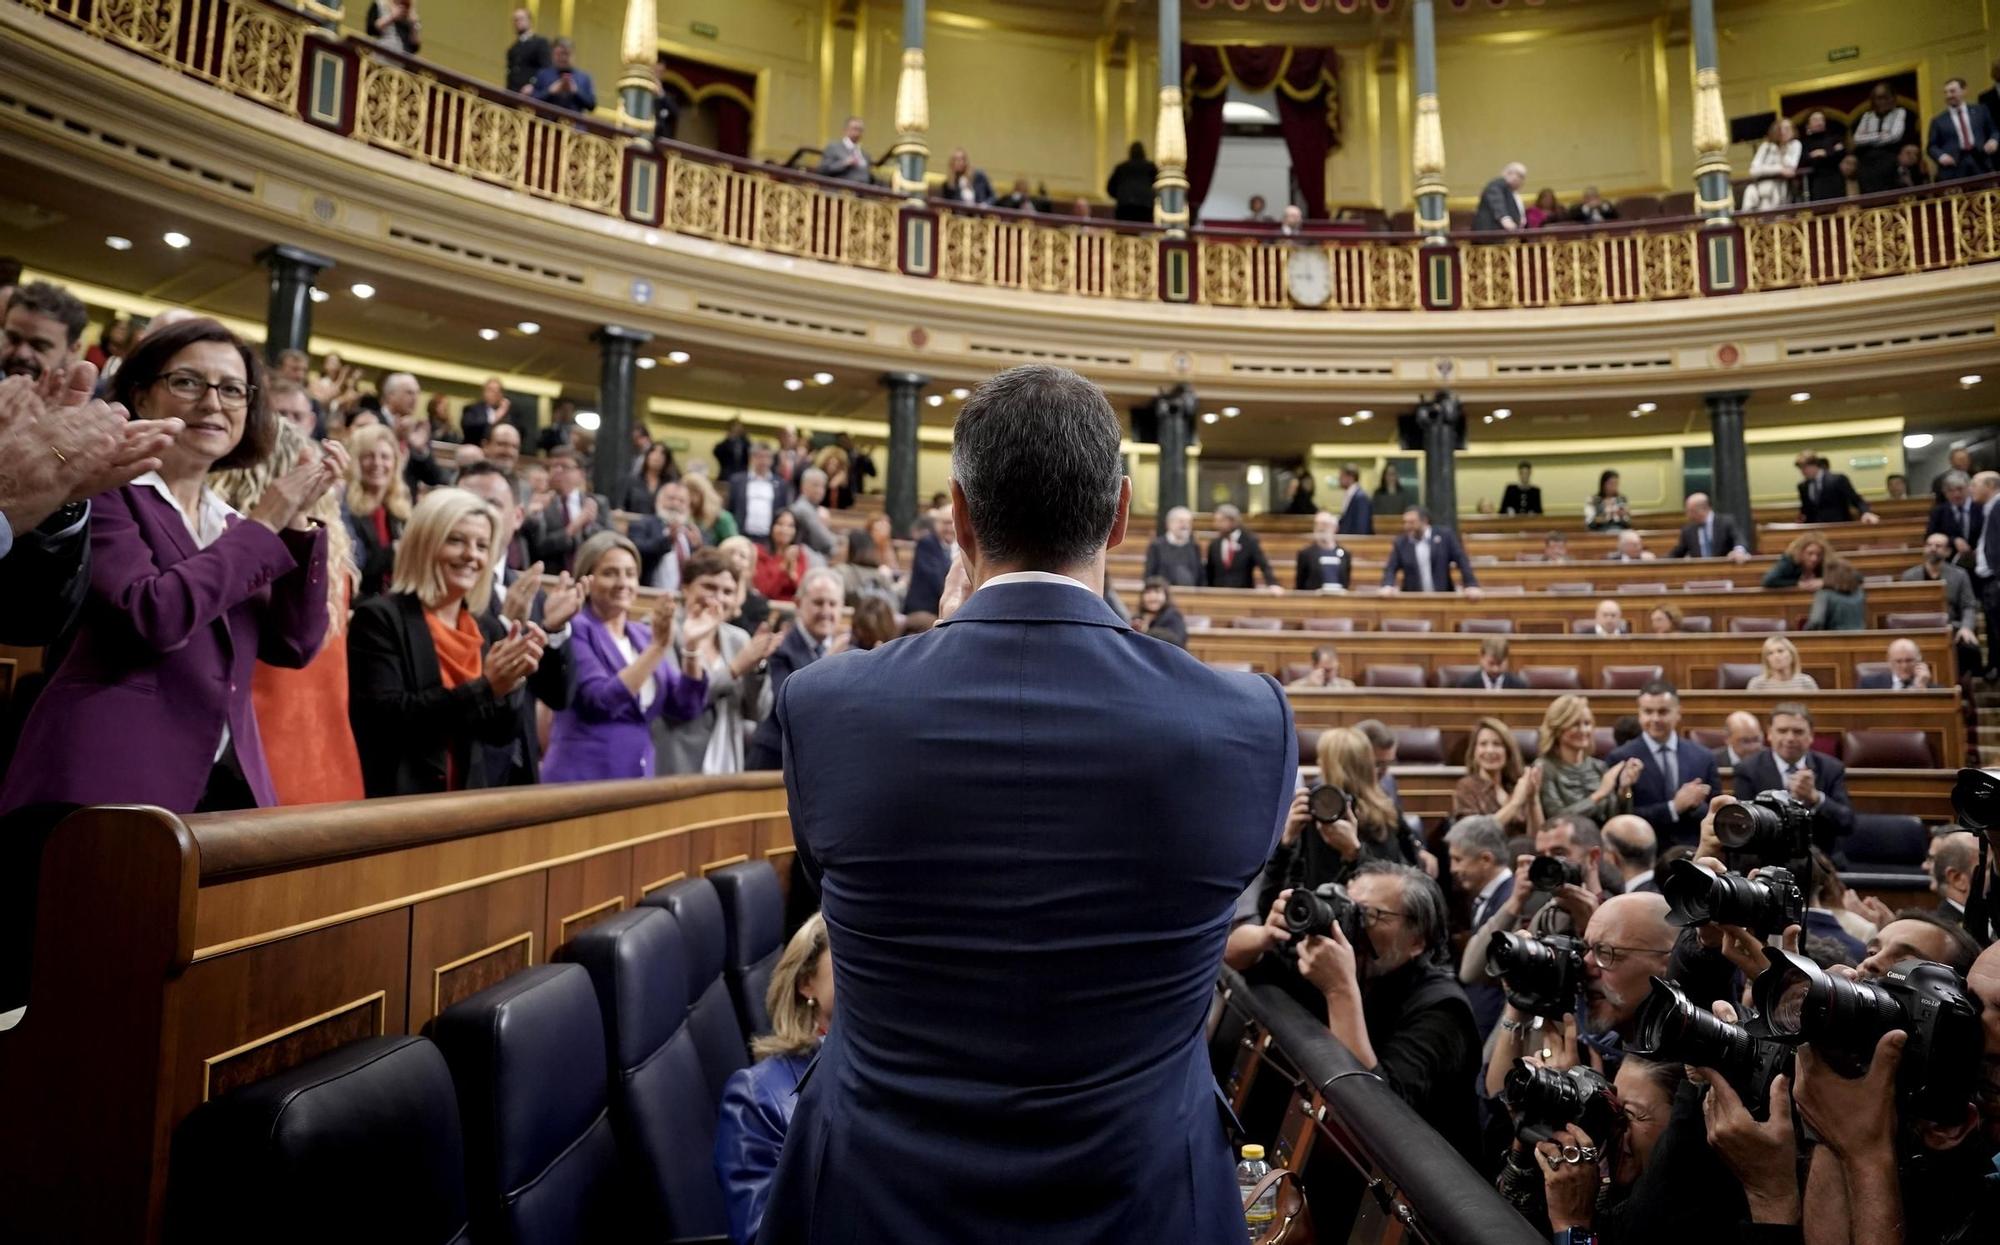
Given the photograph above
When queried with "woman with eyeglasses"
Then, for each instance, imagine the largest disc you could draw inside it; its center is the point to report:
(152, 705)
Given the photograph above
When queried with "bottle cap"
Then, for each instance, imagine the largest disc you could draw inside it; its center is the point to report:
(1253, 1152)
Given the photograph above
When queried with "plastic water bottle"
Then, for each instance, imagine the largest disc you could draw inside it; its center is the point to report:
(1259, 1215)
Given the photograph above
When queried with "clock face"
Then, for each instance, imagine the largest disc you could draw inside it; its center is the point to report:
(1308, 277)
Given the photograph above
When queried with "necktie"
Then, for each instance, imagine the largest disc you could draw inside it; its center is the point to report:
(1964, 130)
(1707, 544)
(1814, 490)
(1228, 552)
(1424, 564)
(1670, 766)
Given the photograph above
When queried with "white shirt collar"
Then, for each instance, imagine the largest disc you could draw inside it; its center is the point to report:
(1492, 885)
(1638, 880)
(211, 517)
(1038, 577)
(1672, 744)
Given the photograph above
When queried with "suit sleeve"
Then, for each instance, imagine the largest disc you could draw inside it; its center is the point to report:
(294, 626)
(1302, 570)
(382, 705)
(165, 609)
(1152, 558)
(1395, 560)
(1682, 547)
(1936, 146)
(789, 748)
(43, 580)
(1836, 807)
(554, 680)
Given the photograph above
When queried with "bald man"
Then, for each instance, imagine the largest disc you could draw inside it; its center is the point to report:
(1500, 202)
(1746, 739)
(1629, 942)
(1609, 619)
(1632, 848)
(1952, 861)
(1907, 672)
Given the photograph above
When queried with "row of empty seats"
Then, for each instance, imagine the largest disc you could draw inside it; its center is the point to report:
(1858, 749)
(573, 1102)
(1927, 620)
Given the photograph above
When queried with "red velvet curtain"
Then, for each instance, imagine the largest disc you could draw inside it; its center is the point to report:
(1306, 81)
(731, 95)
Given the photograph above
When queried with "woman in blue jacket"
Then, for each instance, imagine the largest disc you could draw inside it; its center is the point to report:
(757, 1101)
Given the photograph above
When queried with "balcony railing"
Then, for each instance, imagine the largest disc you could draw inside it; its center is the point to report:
(279, 58)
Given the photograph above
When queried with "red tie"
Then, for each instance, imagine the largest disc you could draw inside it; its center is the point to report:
(1228, 553)
(1964, 130)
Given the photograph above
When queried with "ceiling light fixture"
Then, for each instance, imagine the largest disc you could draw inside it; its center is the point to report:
(1502, 412)
(117, 243)
(960, 394)
(1364, 416)
(1647, 408)
(1970, 381)
(1347, 421)
(361, 289)
(1209, 417)
(175, 239)
(588, 420)
(318, 295)
(1231, 412)
(794, 384)
(1917, 440)
(678, 357)
(489, 335)
(1802, 396)
(1486, 419)
(822, 378)
(936, 399)
(1636, 413)
(529, 327)
(1253, 475)
(646, 365)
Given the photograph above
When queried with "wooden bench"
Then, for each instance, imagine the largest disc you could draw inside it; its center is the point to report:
(177, 957)
(1127, 563)
(1567, 519)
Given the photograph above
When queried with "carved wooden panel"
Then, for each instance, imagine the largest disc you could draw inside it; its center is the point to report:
(464, 942)
(660, 862)
(586, 891)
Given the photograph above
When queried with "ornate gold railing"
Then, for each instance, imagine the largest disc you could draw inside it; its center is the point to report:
(1856, 242)
(747, 208)
(1375, 274)
(1027, 254)
(246, 47)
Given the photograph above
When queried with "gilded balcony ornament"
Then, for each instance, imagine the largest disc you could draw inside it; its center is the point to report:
(1711, 124)
(146, 25)
(1170, 134)
(1427, 142)
(913, 122)
(262, 56)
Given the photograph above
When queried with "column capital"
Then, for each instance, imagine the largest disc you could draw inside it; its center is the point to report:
(609, 335)
(287, 255)
(1726, 399)
(905, 380)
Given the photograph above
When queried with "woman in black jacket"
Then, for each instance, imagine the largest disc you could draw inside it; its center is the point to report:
(1157, 616)
(376, 505)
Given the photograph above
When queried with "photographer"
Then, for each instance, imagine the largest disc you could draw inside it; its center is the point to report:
(1571, 837)
(1576, 1181)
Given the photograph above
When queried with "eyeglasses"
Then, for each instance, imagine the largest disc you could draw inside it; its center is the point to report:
(1371, 916)
(1610, 956)
(192, 387)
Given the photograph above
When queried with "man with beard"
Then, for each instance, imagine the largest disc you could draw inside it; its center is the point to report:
(43, 328)
(666, 539)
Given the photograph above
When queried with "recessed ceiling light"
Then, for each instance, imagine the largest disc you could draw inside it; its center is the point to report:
(529, 327)
(588, 420)
(1486, 419)
(1917, 440)
(1501, 412)
(936, 399)
(794, 384)
(1647, 408)
(1231, 412)
(647, 364)
(1970, 381)
(1637, 413)
(822, 378)
(117, 243)
(1209, 417)
(960, 394)
(1801, 396)
(318, 295)
(489, 335)
(677, 357)
(175, 239)
(1364, 415)
(361, 289)
(1347, 421)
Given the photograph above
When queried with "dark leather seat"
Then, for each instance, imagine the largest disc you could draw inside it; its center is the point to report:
(1486, 626)
(1308, 745)
(1886, 843)
(1734, 676)
(1406, 624)
(1453, 675)
(718, 1035)
(360, 1144)
(753, 916)
(527, 1057)
(1862, 669)
(1755, 626)
(1393, 676)
(1884, 749)
(1552, 678)
(1927, 620)
(1419, 745)
(1258, 624)
(1329, 624)
(1700, 623)
(1529, 741)
(660, 1105)
(1631, 677)
(1708, 736)
(1603, 740)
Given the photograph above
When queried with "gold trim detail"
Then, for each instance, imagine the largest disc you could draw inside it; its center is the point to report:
(913, 104)
(724, 863)
(639, 44)
(438, 972)
(379, 1000)
(668, 880)
(616, 904)
(1170, 133)
(1427, 142)
(1711, 125)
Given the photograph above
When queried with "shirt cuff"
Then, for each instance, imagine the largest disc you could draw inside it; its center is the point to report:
(6, 536)
(559, 638)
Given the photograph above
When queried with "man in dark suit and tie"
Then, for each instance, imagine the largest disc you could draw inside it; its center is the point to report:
(1963, 140)
(1235, 555)
(1826, 496)
(1029, 913)
(1357, 512)
(1424, 555)
(1522, 498)
(1708, 534)
(528, 55)
(930, 562)
(1985, 560)
(1813, 778)
(1953, 862)
(1493, 674)
(1500, 203)
(572, 515)
(1676, 774)
(1907, 672)
(732, 453)
(1632, 847)
(1954, 513)
(757, 495)
(1484, 874)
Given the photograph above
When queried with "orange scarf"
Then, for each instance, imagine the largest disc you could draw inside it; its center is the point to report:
(457, 647)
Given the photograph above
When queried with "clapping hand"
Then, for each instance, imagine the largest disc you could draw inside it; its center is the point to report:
(1803, 787)
(519, 603)
(512, 658)
(560, 602)
(287, 499)
(699, 626)
(586, 514)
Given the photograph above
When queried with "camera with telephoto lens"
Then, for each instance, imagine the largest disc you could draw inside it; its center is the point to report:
(1329, 804)
(1318, 911)
(1544, 1101)
(1764, 905)
(1541, 976)
(1671, 1029)
(1843, 1019)
(1975, 799)
(1551, 873)
(1771, 828)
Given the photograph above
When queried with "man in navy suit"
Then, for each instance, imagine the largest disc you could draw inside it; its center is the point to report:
(1481, 871)
(1493, 674)
(1812, 778)
(1424, 556)
(1708, 534)
(1027, 913)
(1826, 496)
(1357, 513)
(929, 564)
(1963, 141)
(1676, 774)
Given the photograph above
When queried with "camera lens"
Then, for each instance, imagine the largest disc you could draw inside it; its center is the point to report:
(1541, 975)
(1551, 873)
(1672, 1028)
(1765, 904)
(1838, 1016)
(1542, 1101)
(1736, 825)
(1327, 803)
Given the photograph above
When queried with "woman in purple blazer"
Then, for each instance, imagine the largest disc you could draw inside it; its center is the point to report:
(151, 705)
(624, 678)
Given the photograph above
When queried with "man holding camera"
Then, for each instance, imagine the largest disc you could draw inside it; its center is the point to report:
(1812, 778)
(1677, 775)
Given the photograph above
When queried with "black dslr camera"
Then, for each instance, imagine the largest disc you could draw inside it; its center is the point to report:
(1551, 873)
(1843, 1020)
(1329, 804)
(1975, 799)
(1317, 911)
(1543, 1101)
(1541, 976)
(1771, 828)
(1764, 905)
(1670, 1029)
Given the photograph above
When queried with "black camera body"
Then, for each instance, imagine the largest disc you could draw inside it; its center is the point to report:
(1541, 976)
(1329, 804)
(1318, 911)
(1552, 873)
(1843, 1020)
(1671, 1029)
(1544, 1101)
(1770, 828)
(1764, 905)
(1975, 799)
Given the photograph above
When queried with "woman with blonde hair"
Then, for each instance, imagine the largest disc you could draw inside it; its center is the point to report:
(757, 1101)
(1573, 779)
(302, 714)
(1773, 168)
(705, 508)
(1781, 669)
(1801, 565)
(1497, 782)
(377, 504)
(434, 675)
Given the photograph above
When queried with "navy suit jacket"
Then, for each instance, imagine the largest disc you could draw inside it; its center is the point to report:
(1944, 142)
(794, 653)
(1487, 998)
(1028, 915)
(1834, 818)
(930, 564)
(1653, 799)
(1838, 502)
(1446, 553)
(1358, 518)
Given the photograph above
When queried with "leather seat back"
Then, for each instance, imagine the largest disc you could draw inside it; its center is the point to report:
(1329, 624)
(1419, 745)
(317, 1154)
(1755, 626)
(753, 914)
(1486, 626)
(1920, 620)
(1393, 675)
(1886, 749)
(1734, 676)
(1552, 678)
(527, 1057)
(718, 1035)
(1452, 674)
(660, 1105)
(1631, 677)
(1406, 624)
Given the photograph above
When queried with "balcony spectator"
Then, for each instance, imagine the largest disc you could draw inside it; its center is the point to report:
(437, 412)
(1781, 671)
(1823, 147)
(1357, 513)
(1663, 620)
(1910, 172)
(1500, 206)
(666, 537)
(1299, 488)
(1963, 141)
(528, 55)
(1883, 131)
(479, 418)
(1961, 603)
(1391, 497)
(790, 459)
(1523, 496)
(1235, 556)
(1744, 739)
(757, 495)
(1631, 547)
(1080, 208)
(1173, 555)
(376, 507)
(1773, 168)
(561, 84)
(965, 184)
(395, 26)
(1323, 564)
(809, 508)
(1424, 556)
(1574, 780)
(1292, 223)
(1493, 674)
(1802, 565)
(1130, 187)
(1826, 496)
(1850, 175)
(732, 453)
(1608, 619)
(1908, 671)
(1260, 211)
(1709, 535)
(1608, 511)
(1792, 765)
(1547, 210)
(1960, 461)
(706, 511)
(843, 159)
(1020, 198)
(1593, 209)
(1989, 99)
(1841, 604)
(1157, 616)
(1497, 784)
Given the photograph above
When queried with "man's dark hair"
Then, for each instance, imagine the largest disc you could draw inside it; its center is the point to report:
(1524, 463)
(1379, 736)
(1423, 515)
(287, 355)
(707, 560)
(45, 298)
(1792, 709)
(1558, 538)
(148, 362)
(1582, 830)
(1959, 81)
(1423, 905)
(1660, 687)
(1625, 730)
(1035, 450)
(1964, 947)
(472, 471)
